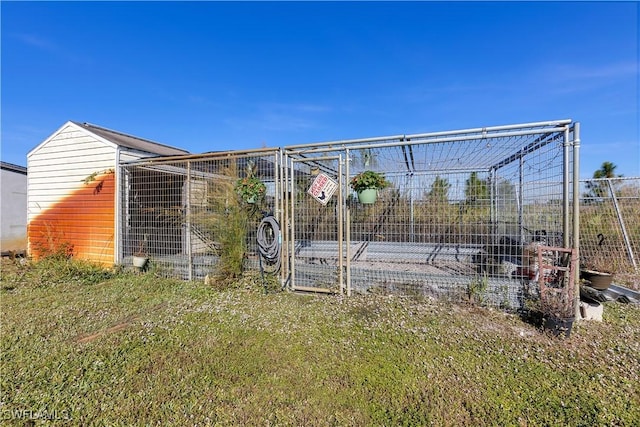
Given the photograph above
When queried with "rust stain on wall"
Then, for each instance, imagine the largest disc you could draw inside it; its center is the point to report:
(80, 224)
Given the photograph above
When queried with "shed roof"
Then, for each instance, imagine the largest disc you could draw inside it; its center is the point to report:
(130, 141)
(13, 168)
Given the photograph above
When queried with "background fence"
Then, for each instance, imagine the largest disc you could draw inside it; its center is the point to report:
(610, 227)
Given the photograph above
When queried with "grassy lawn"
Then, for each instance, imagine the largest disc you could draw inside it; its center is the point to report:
(90, 348)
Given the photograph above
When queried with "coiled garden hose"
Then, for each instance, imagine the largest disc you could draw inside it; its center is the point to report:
(269, 242)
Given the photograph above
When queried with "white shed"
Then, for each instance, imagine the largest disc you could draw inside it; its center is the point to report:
(72, 185)
(13, 208)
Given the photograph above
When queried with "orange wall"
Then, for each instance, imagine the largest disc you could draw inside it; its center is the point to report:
(83, 221)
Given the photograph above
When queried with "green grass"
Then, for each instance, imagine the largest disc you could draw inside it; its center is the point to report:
(127, 349)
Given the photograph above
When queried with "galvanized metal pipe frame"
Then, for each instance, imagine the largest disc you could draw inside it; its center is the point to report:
(576, 210)
(348, 223)
(292, 225)
(413, 141)
(188, 223)
(557, 127)
(284, 175)
(484, 132)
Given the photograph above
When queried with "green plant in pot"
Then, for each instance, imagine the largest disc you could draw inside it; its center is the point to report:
(251, 189)
(367, 184)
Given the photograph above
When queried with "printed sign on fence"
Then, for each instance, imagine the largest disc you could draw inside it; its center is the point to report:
(323, 188)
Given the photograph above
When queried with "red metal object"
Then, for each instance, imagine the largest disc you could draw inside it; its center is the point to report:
(556, 274)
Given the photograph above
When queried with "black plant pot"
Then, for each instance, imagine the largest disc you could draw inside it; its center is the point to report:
(597, 279)
(558, 327)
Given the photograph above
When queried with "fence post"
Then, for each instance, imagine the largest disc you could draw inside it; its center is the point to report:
(188, 223)
(576, 211)
(347, 218)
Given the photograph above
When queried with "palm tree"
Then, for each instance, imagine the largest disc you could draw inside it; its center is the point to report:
(598, 189)
(607, 170)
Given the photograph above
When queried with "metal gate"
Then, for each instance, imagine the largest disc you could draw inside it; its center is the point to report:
(316, 209)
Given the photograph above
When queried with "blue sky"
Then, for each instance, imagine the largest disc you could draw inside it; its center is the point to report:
(208, 76)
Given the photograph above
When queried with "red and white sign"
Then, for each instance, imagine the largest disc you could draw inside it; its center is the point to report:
(322, 188)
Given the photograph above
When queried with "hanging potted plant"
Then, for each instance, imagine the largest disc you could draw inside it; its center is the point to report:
(251, 189)
(367, 184)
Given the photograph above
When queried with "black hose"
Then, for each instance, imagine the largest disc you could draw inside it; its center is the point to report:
(269, 242)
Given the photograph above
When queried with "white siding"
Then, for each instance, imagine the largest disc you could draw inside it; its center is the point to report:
(63, 208)
(60, 165)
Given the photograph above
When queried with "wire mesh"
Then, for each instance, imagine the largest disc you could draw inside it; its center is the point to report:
(610, 227)
(181, 213)
(460, 219)
(457, 218)
(315, 224)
